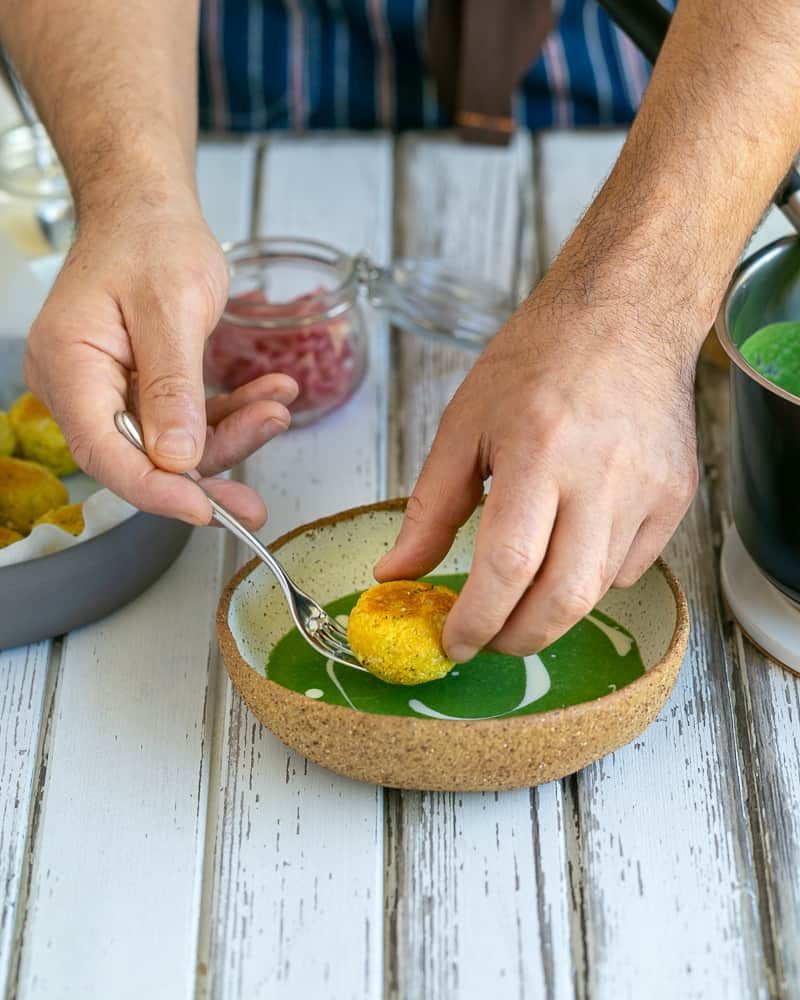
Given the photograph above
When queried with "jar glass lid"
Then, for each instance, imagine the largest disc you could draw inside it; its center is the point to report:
(428, 297)
(434, 299)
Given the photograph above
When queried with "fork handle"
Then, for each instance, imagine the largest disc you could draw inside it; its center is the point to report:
(128, 426)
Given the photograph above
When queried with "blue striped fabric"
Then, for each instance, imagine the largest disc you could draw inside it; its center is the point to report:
(361, 64)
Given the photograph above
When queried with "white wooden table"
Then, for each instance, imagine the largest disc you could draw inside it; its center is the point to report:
(156, 842)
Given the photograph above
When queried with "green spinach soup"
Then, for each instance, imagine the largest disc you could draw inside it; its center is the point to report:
(593, 659)
(774, 352)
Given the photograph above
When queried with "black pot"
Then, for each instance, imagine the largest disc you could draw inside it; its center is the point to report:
(765, 419)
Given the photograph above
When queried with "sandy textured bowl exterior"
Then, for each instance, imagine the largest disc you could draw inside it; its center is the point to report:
(492, 754)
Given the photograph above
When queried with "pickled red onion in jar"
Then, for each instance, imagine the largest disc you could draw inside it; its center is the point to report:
(319, 357)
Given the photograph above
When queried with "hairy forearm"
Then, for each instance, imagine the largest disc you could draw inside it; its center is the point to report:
(115, 85)
(716, 133)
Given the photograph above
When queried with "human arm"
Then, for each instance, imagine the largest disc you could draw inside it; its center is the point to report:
(145, 282)
(581, 409)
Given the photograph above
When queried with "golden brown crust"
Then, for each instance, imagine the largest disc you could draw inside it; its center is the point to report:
(39, 436)
(395, 630)
(8, 537)
(27, 491)
(68, 518)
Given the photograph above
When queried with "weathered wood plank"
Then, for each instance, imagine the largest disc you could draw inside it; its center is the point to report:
(23, 688)
(768, 707)
(114, 896)
(225, 180)
(572, 168)
(294, 901)
(662, 855)
(477, 885)
(121, 832)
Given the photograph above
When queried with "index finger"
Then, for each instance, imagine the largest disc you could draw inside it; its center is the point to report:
(512, 540)
(89, 389)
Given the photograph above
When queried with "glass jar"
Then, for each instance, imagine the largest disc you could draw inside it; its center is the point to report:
(293, 308)
(35, 204)
(296, 307)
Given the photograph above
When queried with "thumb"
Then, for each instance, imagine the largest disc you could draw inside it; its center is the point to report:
(168, 351)
(448, 490)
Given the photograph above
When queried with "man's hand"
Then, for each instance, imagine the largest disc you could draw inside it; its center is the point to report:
(590, 443)
(124, 328)
(125, 324)
(581, 408)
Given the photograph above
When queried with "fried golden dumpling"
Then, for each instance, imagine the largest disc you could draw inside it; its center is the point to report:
(395, 630)
(39, 436)
(8, 439)
(69, 518)
(27, 491)
(8, 537)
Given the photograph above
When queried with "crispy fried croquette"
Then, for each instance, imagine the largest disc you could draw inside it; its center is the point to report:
(69, 518)
(39, 436)
(395, 630)
(27, 491)
(8, 439)
(8, 537)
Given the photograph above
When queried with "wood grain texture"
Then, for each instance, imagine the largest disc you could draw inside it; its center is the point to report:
(662, 860)
(119, 833)
(768, 707)
(23, 688)
(477, 890)
(295, 887)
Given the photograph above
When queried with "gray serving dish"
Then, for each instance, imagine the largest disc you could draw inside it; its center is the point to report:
(46, 597)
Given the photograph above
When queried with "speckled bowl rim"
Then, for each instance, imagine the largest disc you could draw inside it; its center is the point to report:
(651, 681)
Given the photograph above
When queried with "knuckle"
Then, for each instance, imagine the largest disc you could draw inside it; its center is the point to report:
(690, 481)
(192, 300)
(83, 448)
(167, 387)
(176, 302)
(547, 428)
(614, 453)
(415, 510)
(512, 562)
(570, 604)
(41, 344)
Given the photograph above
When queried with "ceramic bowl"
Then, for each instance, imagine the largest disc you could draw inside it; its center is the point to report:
(334, 557)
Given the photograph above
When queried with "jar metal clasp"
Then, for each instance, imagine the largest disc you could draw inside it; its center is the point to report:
(370, 278)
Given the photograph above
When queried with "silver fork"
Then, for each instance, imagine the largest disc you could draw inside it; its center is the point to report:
(323, 633)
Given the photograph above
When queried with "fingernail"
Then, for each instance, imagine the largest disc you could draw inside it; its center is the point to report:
(383, 560)
(176, 444)
(460, 654)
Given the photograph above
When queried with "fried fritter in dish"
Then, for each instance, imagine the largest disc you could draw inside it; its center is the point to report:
(69, 518)
(8, 439)
(8, 537)
(39, 436)
(395, 630)
(27, 491)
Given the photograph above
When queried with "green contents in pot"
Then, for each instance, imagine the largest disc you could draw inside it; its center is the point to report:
(595, 658)
(774, 352)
